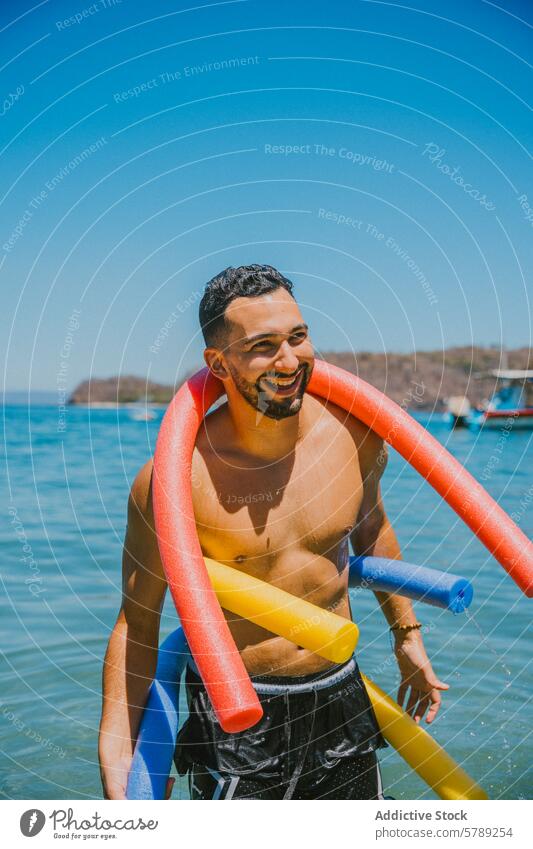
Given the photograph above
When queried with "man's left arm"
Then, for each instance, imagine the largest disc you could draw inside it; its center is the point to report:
(374, 536)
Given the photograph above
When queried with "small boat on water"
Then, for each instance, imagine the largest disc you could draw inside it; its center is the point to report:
(511, 402)
(142, 414)
(458, 410)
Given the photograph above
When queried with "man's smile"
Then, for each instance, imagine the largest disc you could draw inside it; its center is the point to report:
(284, 385)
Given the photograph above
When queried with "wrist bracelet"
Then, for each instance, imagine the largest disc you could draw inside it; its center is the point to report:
(413, 627)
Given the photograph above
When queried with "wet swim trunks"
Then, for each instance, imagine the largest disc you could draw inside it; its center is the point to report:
(317, 739)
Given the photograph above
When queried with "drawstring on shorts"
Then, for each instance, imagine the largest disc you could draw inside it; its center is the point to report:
(301, 761)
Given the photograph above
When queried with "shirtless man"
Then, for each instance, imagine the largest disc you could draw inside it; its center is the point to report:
(281, 481)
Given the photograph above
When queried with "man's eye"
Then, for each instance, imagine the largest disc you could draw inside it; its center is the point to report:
(299, 337)
(261, 346)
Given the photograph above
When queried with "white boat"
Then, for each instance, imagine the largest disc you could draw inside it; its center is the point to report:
(458, 410)
(511, 405)
(142, 415)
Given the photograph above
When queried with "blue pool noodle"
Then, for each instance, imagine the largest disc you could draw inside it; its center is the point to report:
(154, 750)
(431, 586)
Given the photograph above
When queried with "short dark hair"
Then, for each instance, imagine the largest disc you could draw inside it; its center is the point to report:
(246, 281)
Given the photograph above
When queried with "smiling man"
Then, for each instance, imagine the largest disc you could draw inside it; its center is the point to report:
(282, 481)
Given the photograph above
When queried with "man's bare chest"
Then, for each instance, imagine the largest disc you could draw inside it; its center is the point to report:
(309, 501)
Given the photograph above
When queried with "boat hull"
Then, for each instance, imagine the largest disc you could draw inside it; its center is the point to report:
(501, 419)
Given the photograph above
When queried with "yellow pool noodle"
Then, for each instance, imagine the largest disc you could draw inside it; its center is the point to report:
(420, 750)
(321, 631)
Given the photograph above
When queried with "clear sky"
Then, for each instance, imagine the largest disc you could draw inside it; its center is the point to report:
(378, 153)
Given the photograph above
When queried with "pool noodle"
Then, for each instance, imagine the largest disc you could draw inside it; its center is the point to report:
(441, 589)
(156, 739)
(492, 526)
(220, 665)
(327, 634)
(421, 751)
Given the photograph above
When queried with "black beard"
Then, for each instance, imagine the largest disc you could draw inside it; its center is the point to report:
(257, 398)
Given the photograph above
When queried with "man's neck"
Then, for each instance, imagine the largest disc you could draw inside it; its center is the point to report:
(260, 436)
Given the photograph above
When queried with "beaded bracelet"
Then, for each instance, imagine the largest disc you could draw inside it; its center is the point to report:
(415, 626)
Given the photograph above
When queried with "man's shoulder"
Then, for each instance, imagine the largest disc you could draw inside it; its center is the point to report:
(213, 434)
(141, 490)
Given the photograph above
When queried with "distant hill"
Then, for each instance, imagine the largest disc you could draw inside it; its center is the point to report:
(122, 389)
(432, 376)
(420, 380)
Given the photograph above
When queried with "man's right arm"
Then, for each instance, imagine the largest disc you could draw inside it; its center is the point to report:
(131, 656)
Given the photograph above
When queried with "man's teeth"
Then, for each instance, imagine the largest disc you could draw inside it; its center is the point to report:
(285, 381)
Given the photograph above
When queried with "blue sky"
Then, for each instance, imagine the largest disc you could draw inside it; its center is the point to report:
(375, 152)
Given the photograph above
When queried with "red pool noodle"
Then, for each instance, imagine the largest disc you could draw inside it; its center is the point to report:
(225, 677)
(220, 665)
(495, 529)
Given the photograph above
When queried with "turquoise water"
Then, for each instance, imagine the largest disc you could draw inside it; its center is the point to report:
(65, 510)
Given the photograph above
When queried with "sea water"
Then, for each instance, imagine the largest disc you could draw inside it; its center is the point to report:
(64, 503)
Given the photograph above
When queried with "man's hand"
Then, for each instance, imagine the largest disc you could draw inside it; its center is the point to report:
(115, 780)
(115, 776)
(419, 683)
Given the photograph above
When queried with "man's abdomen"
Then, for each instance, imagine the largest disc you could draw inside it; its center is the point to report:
(317, 580)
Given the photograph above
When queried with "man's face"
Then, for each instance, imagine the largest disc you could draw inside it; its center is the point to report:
(268, 352)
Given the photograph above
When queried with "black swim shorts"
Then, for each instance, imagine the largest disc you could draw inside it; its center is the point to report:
(317, 739)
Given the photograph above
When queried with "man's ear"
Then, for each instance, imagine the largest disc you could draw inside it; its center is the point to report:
(214, 361)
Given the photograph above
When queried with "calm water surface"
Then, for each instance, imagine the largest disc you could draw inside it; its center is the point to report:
(64, 500)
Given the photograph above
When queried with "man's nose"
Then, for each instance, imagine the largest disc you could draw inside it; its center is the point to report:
(286, 359)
